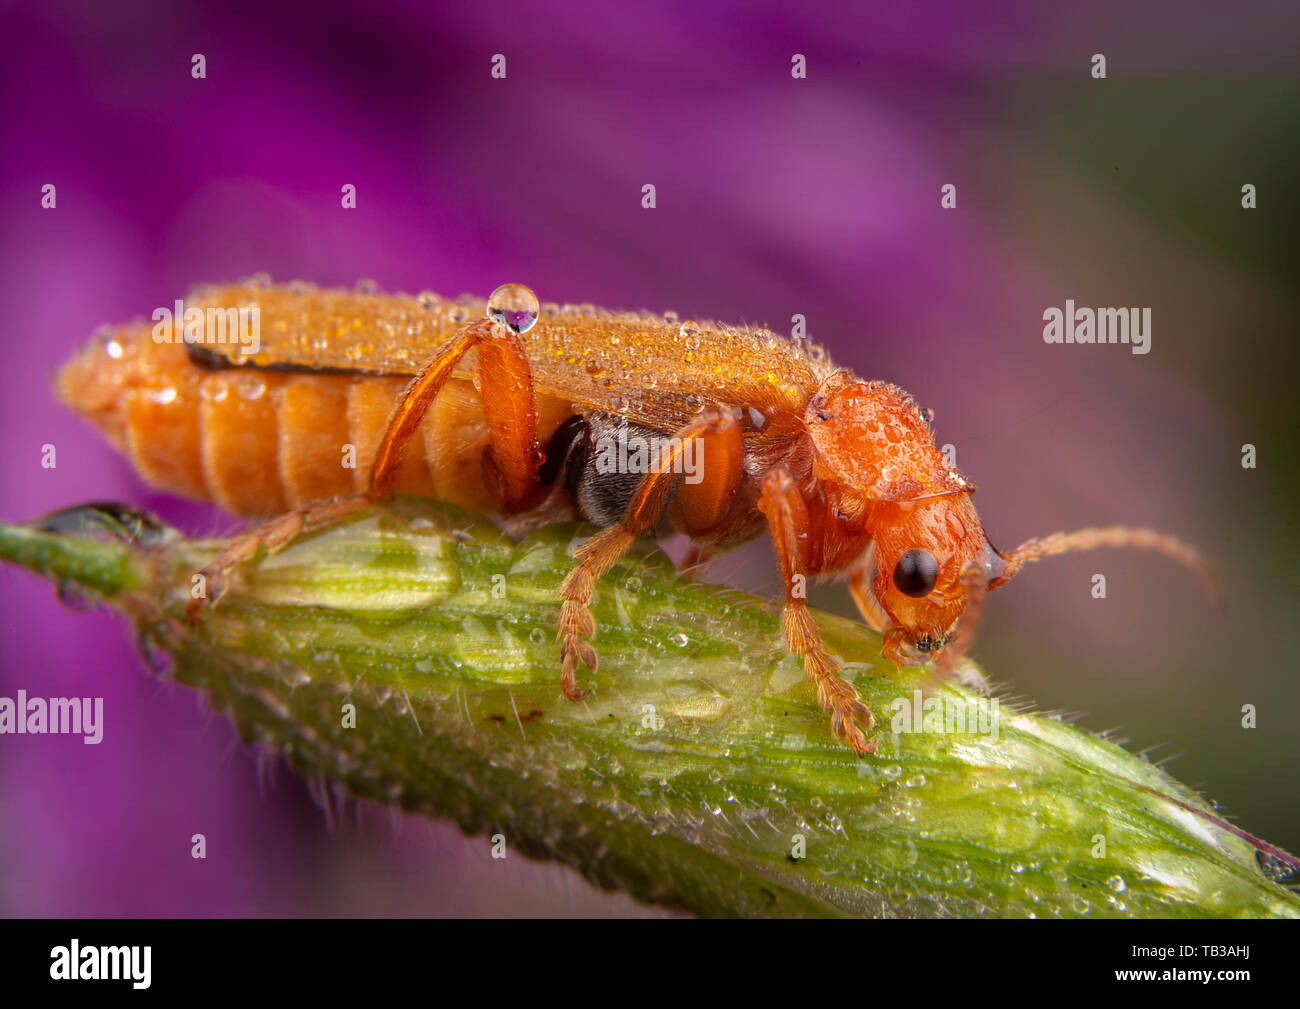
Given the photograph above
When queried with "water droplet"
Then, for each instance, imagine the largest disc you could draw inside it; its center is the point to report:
(366, 286)
(514, 306)
(537, 635)
(680, 640)
(632, 584)
(251, 387)
(423, 666)
(928, 415)
(690, 333)
(1117, 884)
(213, 389)
(594, 367)
(1275, 868)
(106, 338)
(427, 300)
(156, 657)
(75, 597)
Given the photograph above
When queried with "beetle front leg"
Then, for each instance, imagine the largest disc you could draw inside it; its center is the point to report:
(899, 650)
(863, 596)
(787, 518)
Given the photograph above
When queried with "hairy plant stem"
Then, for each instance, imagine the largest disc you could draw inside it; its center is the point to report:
(700, 772)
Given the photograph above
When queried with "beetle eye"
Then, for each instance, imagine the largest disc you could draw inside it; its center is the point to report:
(915, 573)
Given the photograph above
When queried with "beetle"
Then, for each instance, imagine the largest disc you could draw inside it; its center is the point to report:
(634, 422)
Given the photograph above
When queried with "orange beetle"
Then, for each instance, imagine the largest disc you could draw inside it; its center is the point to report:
(540, 413)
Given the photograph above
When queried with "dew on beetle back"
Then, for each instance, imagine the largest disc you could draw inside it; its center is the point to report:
(515, 307)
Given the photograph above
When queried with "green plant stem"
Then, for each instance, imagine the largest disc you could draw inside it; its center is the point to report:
(700, 772)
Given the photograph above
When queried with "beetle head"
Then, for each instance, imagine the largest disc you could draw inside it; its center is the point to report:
(874, 443)
(933, 564)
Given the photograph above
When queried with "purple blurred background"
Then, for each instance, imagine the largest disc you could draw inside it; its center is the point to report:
(775, 196)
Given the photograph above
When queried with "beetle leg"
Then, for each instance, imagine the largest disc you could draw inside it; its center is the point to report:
(510, 463)
(860, 589)
(509, 406)
(274, 535)
(899, 649)
(787, 518)
(598, 554)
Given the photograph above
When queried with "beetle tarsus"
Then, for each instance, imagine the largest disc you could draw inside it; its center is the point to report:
(272, 536)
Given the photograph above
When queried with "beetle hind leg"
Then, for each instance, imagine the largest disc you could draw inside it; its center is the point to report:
(273, 536)
(510, 464)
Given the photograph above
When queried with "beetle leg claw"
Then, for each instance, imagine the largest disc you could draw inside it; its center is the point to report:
(215, 578)
(850, 718)
(575, 624)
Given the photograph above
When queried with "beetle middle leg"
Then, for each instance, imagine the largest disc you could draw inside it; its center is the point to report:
(717, 428)
(510, 463)
(788, 520)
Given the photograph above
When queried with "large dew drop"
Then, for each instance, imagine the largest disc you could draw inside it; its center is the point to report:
(514, 306)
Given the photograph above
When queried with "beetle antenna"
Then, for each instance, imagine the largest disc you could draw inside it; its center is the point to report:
(1110, 536)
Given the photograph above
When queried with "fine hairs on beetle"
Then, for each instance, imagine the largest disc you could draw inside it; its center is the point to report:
(633, 422)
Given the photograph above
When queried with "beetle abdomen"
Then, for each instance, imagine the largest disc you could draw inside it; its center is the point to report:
(259, 442)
